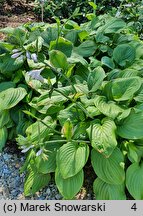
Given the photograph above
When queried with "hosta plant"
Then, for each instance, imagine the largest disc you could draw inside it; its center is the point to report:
(85, 103)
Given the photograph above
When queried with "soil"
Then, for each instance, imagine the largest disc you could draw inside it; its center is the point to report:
(16, 14)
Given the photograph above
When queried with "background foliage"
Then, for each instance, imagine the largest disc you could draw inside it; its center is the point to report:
(72, 94)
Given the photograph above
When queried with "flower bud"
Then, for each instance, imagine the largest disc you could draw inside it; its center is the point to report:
(39, 153)
(28, 55)
(35, 74)
(16, 55)
(34, 57)
(15, 51)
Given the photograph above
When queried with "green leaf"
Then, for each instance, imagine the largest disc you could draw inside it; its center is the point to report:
(102, 136)
(16, 36)
(58, 59)
(108, 108)
(76, 58)
(112, 25)
(95, 79)
(6, 85)
(93, 111)
(71, 186)
(72, 36)
(108, 62)
(73, 113)
(93, 5)
(5, 47)
(74, 155)
(45, 104)
(52, 34)
(4, 118)
(63, 45)
(80, 130)
(132, 153)
(83, 35)
(125, 88)
(41, 130)
(105, 191)
(131, 126)
(139, 95)
(134, 180)
(124, 55)
(10, 97)
(3, 137)
(48, 165)
(7, 30)
(128, 72)
(36, 45)
(9, 65)
(67, 129)
(86, 49)
(109, 169)
(34, 182)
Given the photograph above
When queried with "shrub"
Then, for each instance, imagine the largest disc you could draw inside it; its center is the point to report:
(64, 9)
(132, 13)
(84, 99)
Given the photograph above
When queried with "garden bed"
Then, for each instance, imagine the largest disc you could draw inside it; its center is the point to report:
(12, 181)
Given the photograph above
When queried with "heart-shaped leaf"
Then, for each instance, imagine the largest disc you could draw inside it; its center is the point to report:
(102, 135)
(109, 169)
(124, 55)
(58, 59)
(34, 182)
(86, 49)
(134, 180)
(71, 158)
(108, 108)
(95, 79)
(105, 191)
(10, 97)
(69, 187)
(132, 126)
(63, 45)
(125, 88)
(111, 25)
(108, 62)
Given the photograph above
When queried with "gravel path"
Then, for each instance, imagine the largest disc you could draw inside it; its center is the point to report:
(12, 182)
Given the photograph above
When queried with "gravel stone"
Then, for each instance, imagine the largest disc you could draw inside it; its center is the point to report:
(48, 191)
(12, 181)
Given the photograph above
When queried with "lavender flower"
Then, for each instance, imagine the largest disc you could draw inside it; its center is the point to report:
(15, 55)
(27, 149)
(39, 152)
(35, 74)
(15, 51)
(28, 55)
(34, 57)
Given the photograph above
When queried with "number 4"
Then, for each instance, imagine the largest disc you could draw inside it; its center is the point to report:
(134, 207)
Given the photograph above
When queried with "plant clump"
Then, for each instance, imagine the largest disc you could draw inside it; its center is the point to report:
(72, 94)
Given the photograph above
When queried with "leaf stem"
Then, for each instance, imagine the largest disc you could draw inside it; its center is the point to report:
(65, 141)
(58, 72)
(69, 81)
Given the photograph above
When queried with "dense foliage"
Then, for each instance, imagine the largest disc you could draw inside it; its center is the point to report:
(65, 9)
(132, 13)
(73, 94)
